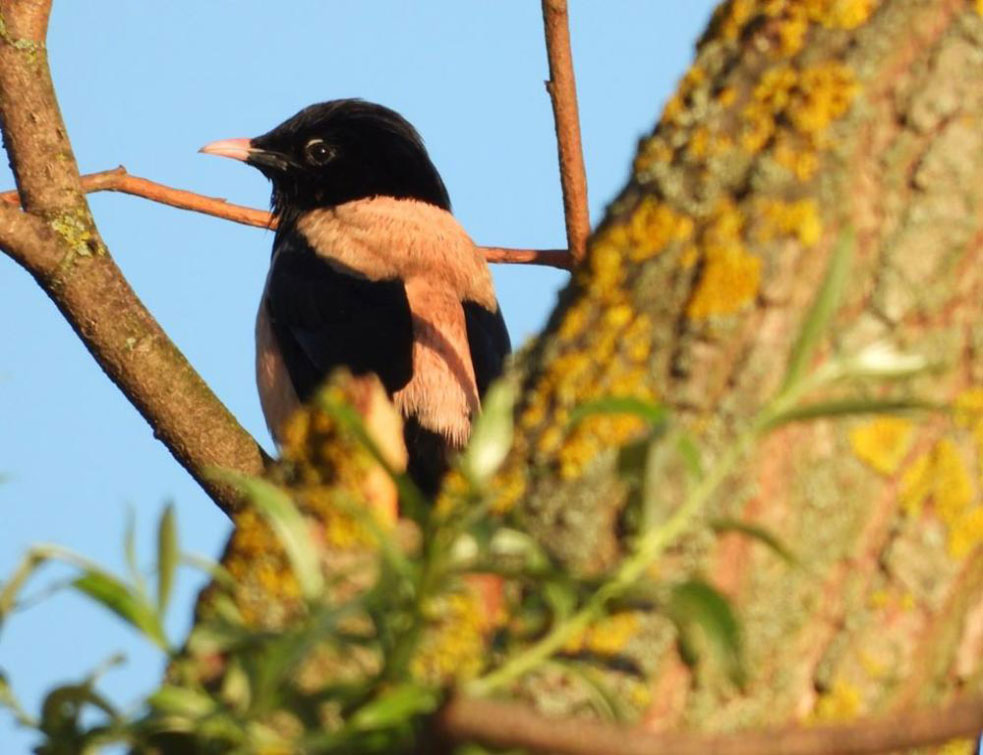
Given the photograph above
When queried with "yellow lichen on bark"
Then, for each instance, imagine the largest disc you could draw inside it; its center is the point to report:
(454, 648)
(883, 443)
(730, 275)
(799, 219)
(959, 746)
(652, 228)
(730, 280)
(843, 702)
(810, 99)
(793, 18)
(941, 477)
(969, 415)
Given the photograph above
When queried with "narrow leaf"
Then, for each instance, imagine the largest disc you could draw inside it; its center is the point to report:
(35, 558)
(216, 637)
(654, 414)
(695, 604)
(291, 529)
(755, 532)
(395, 707)
(130, 551)
(561, 597)
(602, 700)
(849, 407)
(491, 437)
(64, 706)
(116, 596)
(691, 456)
(508, 543)
(167, 556)
(822, 310)
(10, 702)
(181, 701)
(210, 567)
(12, 586)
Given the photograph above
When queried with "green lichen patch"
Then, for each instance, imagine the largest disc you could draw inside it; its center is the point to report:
(77, 231)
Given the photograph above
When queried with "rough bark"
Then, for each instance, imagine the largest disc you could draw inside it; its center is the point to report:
(801, 126)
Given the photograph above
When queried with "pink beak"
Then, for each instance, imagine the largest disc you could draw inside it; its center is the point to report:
(237, 149)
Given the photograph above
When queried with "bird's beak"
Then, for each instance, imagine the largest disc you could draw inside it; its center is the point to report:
(243, 149)
(237, 149)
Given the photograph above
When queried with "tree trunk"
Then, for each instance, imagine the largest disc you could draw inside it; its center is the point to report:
(801, 129)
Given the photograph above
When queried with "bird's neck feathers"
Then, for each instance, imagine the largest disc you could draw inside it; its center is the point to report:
(412, 177)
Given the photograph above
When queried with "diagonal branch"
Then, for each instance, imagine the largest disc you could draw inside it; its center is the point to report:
(55, 239)
(509, 725)
(119, 180)
(562, 88)
(28, 240)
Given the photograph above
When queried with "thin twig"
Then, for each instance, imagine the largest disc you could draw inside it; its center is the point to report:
(119, 180)
(510, 725)
(562, 88)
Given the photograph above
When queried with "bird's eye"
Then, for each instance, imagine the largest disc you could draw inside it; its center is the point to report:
(318, 152)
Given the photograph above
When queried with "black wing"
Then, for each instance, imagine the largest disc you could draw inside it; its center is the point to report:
(489, 342)
(325, 318)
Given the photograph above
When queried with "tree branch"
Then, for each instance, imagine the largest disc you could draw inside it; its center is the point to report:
(508, 725)
(119, 180)
(562, 88)
(56, 240)
(29, 241)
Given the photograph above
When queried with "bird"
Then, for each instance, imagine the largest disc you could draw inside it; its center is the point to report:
(370, 271)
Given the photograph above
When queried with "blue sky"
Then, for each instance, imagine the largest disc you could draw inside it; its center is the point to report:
(145, 85)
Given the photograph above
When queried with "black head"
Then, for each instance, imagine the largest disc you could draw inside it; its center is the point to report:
(336, 152)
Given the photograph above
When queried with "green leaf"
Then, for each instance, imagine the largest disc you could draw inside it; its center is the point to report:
(508, 544)
(491, 436)
(696, 605)
(605, 704)
(64, 706)
(236, 688)
(821, 312)
(850, 407)
(216, 637)
(10, 702)
(561, 597)
(755, 532)
(12, 586)
(397, 706)
(654, 414)
(167, 556)
(210, 567)
(292, 530)
(691, 455)
(181, 701)
(35, 558)
(130, 606)
(130, 552)
(272, 663)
